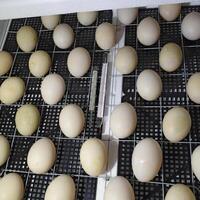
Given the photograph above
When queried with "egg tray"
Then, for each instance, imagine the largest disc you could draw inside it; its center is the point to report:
(78, 91)
(176, 157)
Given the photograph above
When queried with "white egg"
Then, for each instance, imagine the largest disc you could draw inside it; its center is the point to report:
(149, 85)
(62, 187)
(119, 188)
(27, 38)
(11, 90)
(126, 60)
(78, 62)
(190, 26)
(71, 120)
(87, 18)
(51, 21)
(193, 87)
(27, 119)
(170, 12)
(148, 31)
(11, 187)
(53, 88)
(6, 61)
(63, 36)
(179, 192)
(4, 149)
(39, 63)
(41, 156)
(123, 120)
(195, 161)
(105, 36)
(170, 57)
(127, 15)
(93, 157)
(146, 159)
(176, 124)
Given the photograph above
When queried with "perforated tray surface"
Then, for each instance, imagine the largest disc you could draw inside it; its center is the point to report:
(176, 167)
(78, 91)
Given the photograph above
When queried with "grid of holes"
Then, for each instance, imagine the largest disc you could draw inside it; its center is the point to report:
(176, 167)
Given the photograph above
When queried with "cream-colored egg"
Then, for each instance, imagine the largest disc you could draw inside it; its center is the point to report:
(105, 36)
(146, 159)
(41, 156)
(176, 124)
(39, 63)
(27, 38)
(195, 161)
(52, 88)
(149, 85)
(6, 61)
(127, 15)
(72, 120)
(87, 18)
(11, 90)
(126, 60)
(148, 31)
(179, 192)
(123, 120)
(170, 57)
(51, 21)
(93, 157)
(12, 187)
(190, 26)
(193, 87)
(27, 119)
(61, 188)
(119, 188)
(78, 62)
(4, 149)
(63, 36)
(170, 12)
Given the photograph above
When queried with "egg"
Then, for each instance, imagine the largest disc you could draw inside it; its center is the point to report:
(27, 38)
(93, 157)
(41, 156)
(170, 12)
(27, 119)
(39, 63)
(51, 21)
(176, 124)
(71, 120)
(62, 187)
(146, 159)
(195, 162)
(127, 15)
(78, 62)
(119, 188)
(63, 36)
(148, 31)
(190, 26)
(170, 57)
(123, 120)
(52, 88)
(126, 60)
(6, 61)
(12, 187)
(149, 85)
(179, 192)
(4, 149)
(87, 18)
(193, 88)
(105, 36)
(12, 90)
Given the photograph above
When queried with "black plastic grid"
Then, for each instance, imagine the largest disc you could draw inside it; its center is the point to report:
(177, 157)
(78, 91)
